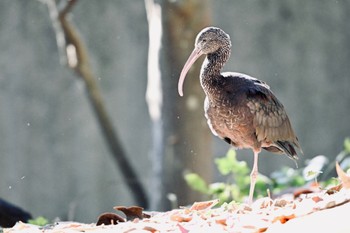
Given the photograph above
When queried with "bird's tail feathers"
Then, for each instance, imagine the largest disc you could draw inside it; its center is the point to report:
(289, 150)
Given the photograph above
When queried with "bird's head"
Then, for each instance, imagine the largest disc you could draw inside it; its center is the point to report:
(209, 40)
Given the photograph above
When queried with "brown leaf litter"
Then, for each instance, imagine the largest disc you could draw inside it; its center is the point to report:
(285, 214)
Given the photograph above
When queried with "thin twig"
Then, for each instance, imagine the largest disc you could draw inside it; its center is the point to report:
(60, 38)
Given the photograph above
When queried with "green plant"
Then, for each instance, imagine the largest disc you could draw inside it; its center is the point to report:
(236, 187)
(39, 221)
(237, 182)
(343, 159)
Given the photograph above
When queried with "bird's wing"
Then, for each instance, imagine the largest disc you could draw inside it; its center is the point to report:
(270, 119)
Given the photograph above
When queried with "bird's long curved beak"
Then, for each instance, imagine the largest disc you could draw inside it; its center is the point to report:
(196, 53)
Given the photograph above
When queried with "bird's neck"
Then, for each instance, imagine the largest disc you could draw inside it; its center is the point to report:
(212, 66)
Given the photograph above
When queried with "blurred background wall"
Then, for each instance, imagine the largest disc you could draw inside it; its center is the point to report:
(53, 159)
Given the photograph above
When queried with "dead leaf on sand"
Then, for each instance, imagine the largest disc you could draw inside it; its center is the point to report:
(344, 178)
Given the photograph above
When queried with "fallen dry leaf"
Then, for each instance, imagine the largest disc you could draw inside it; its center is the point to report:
(263, 215)
(283, 218)
(334, 189)
(344, 178)
(109, 219)
(150, 229)
(181, 228)
(316, 199)
(179, 217)
(221, 221)
(132, 212)
(204, 205)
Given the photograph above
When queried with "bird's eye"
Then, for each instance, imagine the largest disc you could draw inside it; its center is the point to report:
(204, 40)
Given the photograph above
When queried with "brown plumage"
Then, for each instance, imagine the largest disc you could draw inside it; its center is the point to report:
(240, 109)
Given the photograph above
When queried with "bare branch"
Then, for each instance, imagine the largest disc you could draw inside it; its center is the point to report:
(68, 7)
(77, 58)
(60, 39)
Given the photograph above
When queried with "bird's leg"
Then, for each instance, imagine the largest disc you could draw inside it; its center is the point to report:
(253, 176)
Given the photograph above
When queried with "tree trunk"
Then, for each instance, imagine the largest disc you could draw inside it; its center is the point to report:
(181, 137)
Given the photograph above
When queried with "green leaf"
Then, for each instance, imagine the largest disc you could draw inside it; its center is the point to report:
(347, 145)
(225, 196)
(39, 221)
(226, 163)
(298, 181)
(240, 168)
(196, 182)
(236, 193)
(220, 191)
(312, 174)
(228, 206)
(216, 188)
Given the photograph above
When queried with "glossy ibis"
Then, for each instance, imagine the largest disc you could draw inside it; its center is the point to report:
(240, 109)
